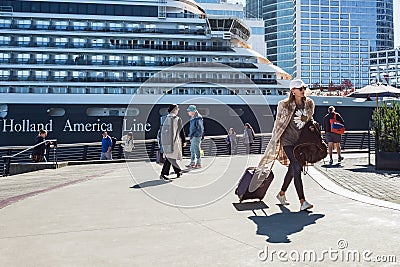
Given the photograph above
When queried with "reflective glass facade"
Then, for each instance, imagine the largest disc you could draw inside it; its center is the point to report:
(325, 42)
(384, 67)
(278, 17)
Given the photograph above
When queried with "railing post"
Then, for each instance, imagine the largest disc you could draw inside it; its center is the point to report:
(119, 151)
(85, 150)
(6, 165)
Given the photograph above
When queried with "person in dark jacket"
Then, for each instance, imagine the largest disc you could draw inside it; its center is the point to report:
(39, 151)
(333, 139)
(196, 131)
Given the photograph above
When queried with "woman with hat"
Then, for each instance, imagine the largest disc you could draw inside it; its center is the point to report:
(172, 141)
(292, 114)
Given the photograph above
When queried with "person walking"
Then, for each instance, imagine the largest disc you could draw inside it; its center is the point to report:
(106, 147)
(196, 131)
(128, 144)
(292, 114)
(333, 139)
(231, 142)
(39, 151)
(173, 140)
(248, 137)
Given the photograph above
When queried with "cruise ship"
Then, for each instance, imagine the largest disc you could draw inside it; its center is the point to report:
(79, 67)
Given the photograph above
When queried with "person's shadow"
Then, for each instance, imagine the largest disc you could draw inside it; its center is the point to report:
(149, 184)
(279, 226)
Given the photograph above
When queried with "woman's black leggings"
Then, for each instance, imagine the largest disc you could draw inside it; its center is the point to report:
(294, 171)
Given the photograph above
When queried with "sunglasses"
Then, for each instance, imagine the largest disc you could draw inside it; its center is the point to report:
(302, 88)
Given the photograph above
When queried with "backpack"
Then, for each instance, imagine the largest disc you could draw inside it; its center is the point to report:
(336, 126)
(310, 147)
(113, 141)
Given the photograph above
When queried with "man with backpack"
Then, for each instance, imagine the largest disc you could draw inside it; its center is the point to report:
(106, 147)
(334, 128)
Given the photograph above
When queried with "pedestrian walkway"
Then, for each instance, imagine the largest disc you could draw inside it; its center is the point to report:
(124, 215)
(356, 175)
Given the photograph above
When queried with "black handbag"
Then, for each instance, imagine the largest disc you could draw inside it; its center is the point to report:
(310, 148)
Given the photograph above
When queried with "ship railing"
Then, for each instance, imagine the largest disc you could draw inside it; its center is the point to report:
(352, 141)
(52, 144)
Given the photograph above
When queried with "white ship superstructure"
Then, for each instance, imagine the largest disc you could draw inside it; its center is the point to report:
(112, 47)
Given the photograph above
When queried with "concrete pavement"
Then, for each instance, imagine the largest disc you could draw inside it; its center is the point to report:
(123, 215)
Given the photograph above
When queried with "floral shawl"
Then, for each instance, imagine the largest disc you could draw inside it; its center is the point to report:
(274, 148)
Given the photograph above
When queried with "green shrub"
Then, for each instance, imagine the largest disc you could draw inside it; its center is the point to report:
(387, 127)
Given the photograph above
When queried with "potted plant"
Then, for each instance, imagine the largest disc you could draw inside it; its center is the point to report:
(387, 136)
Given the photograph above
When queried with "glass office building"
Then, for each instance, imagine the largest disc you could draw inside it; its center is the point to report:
(384, 67)
(331, 39)
(278, 18)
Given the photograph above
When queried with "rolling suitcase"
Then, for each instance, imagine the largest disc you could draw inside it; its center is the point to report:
(244, 192)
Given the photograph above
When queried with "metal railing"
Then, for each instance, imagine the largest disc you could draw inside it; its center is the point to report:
(7, 158)
(352, 141)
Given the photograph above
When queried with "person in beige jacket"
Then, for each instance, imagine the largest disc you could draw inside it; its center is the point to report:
(292, 114)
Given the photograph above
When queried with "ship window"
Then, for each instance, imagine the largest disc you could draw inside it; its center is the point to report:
(23, 58)
(77, 90)
(113, 90)
(61, 41)
(24, 40)
(60, 90)
(5, 23)
(97, 42)
(98, 26)
(79, 25)
(40, 90)
(61, 25)
(132, 27)
(116, 26)
(103, 112)
(4, 57)
(60, 74)
(236, 112)
(42, 41)
(78, 74)
(114, 59)
(132, 112)
(41, 74)
(3, 89)
(132, 60)
(97, 59)
(21, 90)
(60, 59)
(56, 112)
(114, 75)
(42, 24)
(96, 90)
(4, 74)
(24, 24)
(130, 91)
(79, 42)
(5, 40)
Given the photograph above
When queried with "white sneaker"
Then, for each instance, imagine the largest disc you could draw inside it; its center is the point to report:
(306, 206)
(282, 199)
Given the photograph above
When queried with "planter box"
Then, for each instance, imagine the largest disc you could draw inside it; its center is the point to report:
(387, 160)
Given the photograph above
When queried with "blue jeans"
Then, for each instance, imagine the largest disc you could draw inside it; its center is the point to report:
(106, 156)
(195, 150)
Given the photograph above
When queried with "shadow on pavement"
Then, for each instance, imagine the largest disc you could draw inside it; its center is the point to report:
(149, 184)
(279, 226)
(371, 169)
(332, 166)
